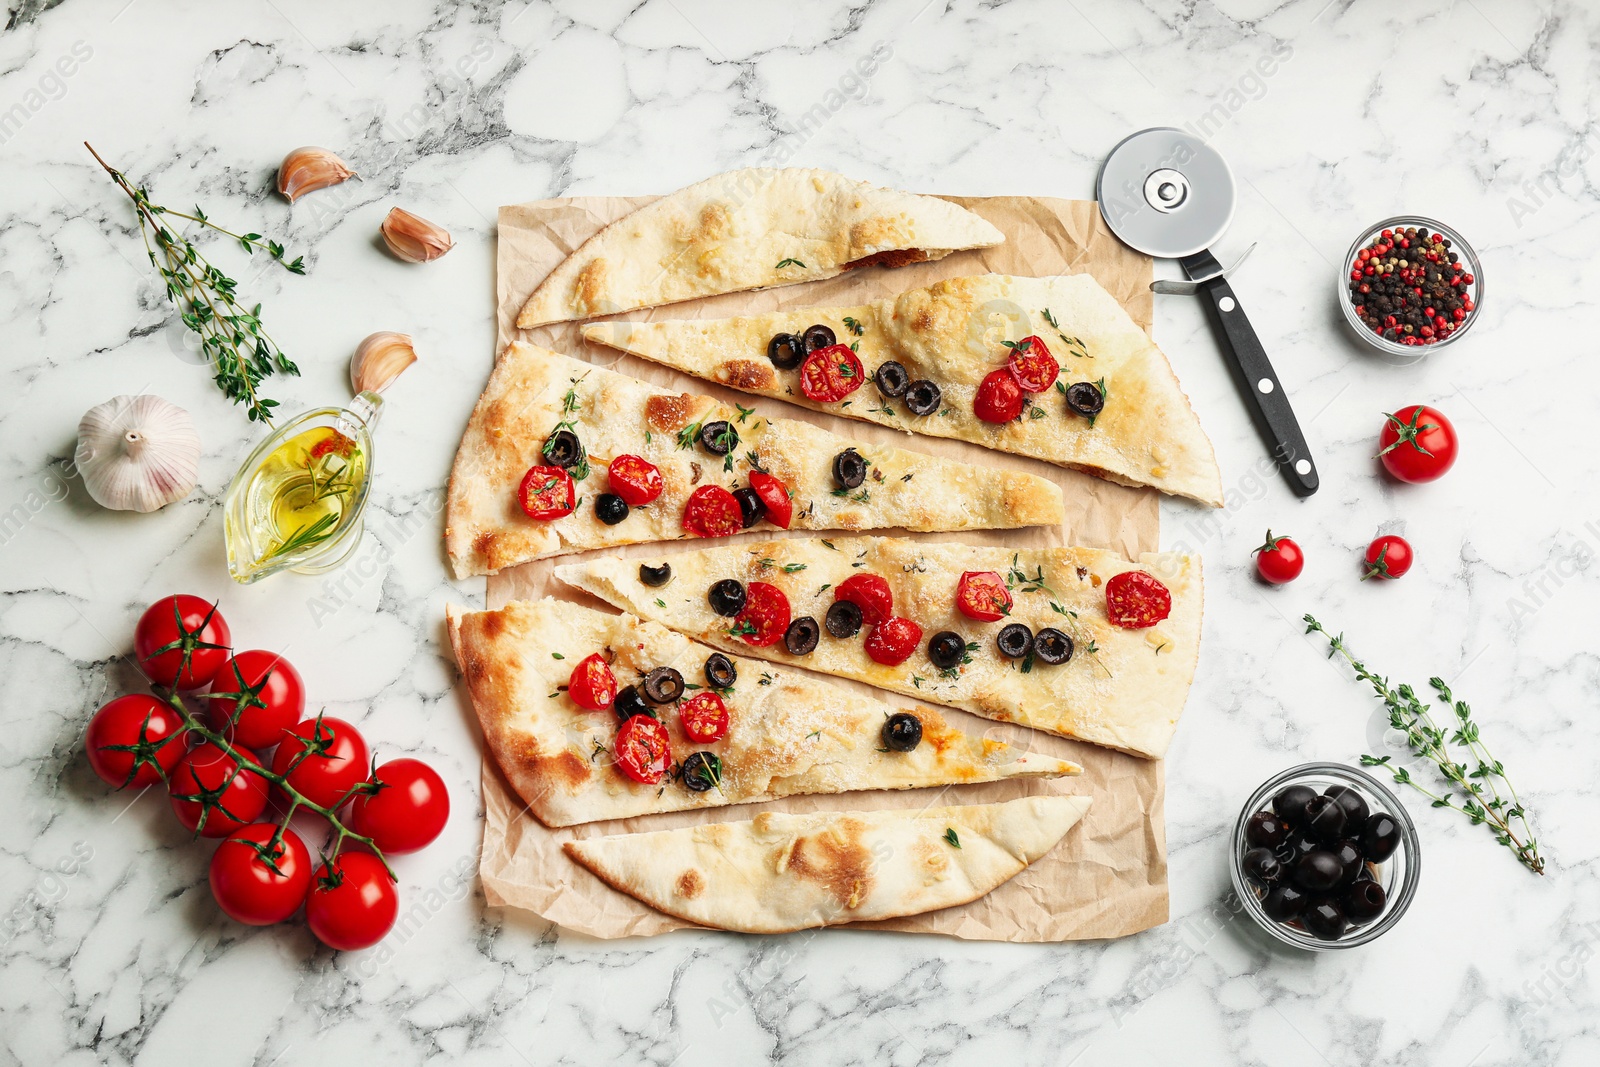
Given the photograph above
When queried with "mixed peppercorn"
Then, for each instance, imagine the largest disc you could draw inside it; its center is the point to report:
(1409, 287)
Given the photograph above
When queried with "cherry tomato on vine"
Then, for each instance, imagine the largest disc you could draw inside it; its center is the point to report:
(1389, 556)
(1279, 559)
(408, 810)
(643, 750)
(352, 902)
(213, 794)
(983, 595)
(591, 685)
(258, 881)
(256, 698)
(868, 592)
(323, 758)
(1417, 444)
(173, 626)
(1136, 600)
(134, 740)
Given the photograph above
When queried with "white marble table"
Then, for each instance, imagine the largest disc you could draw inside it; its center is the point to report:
(1478, 112)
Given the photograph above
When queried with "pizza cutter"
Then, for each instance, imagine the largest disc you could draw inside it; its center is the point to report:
(1166, 193)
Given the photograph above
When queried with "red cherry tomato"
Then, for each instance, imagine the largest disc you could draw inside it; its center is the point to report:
(1033, 366)
(712, 511)
(257, 881)
(237, 796)
(592, 686)
(174, 625)
(408, 810)
(323, 759)
(774, 497)
(1389, 556)
(1279, 559)
(637, 481)
(1417, 444)
(765, 616)
(830, 374)
(892, 641)
(999, 397)
(1136, 600)
(352, 902)
(983, 595)
(134, 740)
(546, 493)
(869, 593)
(643, 751)
(704, 717)
(255, 698)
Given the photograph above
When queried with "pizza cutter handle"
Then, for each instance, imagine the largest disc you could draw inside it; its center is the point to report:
(1258, 383)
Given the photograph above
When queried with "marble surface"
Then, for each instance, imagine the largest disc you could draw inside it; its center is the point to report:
(1333, 114)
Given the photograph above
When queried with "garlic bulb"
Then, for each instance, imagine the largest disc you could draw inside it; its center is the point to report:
(137, 453)
(305, 170)
(379, 360)
(413, 238)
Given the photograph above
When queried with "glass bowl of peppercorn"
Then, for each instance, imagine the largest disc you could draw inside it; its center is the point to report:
(1410, 284)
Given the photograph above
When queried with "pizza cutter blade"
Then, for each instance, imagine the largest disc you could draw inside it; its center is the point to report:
(1168, 194)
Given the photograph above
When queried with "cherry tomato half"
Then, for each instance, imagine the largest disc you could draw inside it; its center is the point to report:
(408, 810)
(704, 717)
(765, 616)
(774, 497)
(869, 593)
(892, 641)
(712, 511)
(174, 625)
(999, 397)
(1279, 559)
(1389, 556)
(1136, 600)
(546, 493)
(591, 685)
(643, 751)
(323, 759)
(1417, 444)
(255, 698)
(983, 595)
(352, 902)
(134, 740)
(240, 795)
(830, 374)
(1032, 365)
(637, 481)
(257, 881)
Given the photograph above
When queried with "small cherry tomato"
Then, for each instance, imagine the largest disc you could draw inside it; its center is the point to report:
(637, 481)
(774, 497)
(255, 698)
(546, 493)
(258, 877)
(408, 809)
(983, 595)
(704, 717)
(134, 740)
(1417, 444)
(591, 685)
(1032, 365)
(174, 626)
(1388, 556)
(892, 641)
(1136, 600)
(830, 374)
(211, 793)
(352, 902)
(643, 752)
(999, 397)
(868, 592)
(323, 759)
(765, 616)
(712, 511)
(1279, 559)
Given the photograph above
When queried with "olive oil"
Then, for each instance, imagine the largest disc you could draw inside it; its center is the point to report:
(303, 494)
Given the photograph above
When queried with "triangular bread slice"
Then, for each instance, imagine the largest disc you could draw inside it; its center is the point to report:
(779, 872)
(1123, 688)
(788, 732)
(952, 333)
(533, 390)
(749, 229)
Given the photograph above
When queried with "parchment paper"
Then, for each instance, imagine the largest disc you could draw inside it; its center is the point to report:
(1108, 877)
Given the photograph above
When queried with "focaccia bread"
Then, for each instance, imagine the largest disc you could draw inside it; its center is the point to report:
(534, 392)
(749, 229)
(778, 873)
(955, 333)
(1123, 688)
(787, 732)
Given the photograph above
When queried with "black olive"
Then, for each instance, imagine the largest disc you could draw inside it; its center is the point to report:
(1349, 855)
(562, 449)
(1326, 920)
(1380, 837)
(751, 509)
(655, 577)
(818, 336)
(662, 685)
(1086, 399)
(719, 438)
(1052, 646)
(701, 771)
(801, 636)
(786, 351)
(1290, 804)
(1318, 870)
(1285, 902)
(902, 731)
(1324, 819)
(1354, 805)
(610, 508)
(891, 379)
(1262, 866)
(1014, 640)
(923, 397)
(720, 672)
(726, 598)
(1364, 901)
(946, 648)
(629, 703)
(849, 469)
(1266, 829)
(1292, 850)
(843, 619)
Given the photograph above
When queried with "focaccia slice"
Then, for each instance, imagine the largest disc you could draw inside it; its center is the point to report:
(954, 334)
(749, 229)
(1123, 688)
(533, 392)
(779, 873)
(788, 732)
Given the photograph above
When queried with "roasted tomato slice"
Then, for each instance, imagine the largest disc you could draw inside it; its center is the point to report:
(712, 511)
(643, 751)
(637, 481)
(1136, 600)
(765, 616)
(704, 717)
(774, 497)
(592, 686)
(830, 374)
(983, 595)
(869, 593)
(892, 641)
(546, 493)
(1033, 366)
(999, 398)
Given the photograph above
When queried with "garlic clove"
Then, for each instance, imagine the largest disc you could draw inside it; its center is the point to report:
(305, 170)
(137, 453)
(379, 360)
(413, 238)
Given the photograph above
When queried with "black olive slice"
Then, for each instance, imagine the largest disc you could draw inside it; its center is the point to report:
(562, 449)
(1052, 646)
(891, 379)
(662, 685)
(1086, 399)
(902, 732)
(849, 469)
(726, 598)
(629, 703)
(801, 636)
(1014, 640)
(843, 619)
(923, 397)
(719, 438)
(702, 771)
(818, 336)
(720, 672)
(751, 509)
(786, 351)
(610, 508)
(946, 648)
(655, 577)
